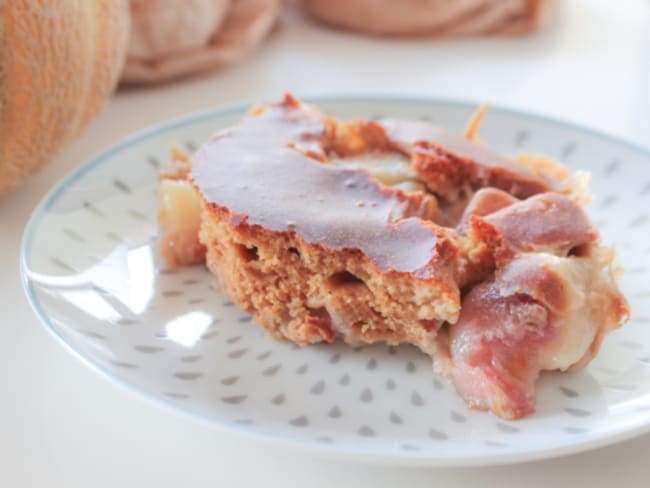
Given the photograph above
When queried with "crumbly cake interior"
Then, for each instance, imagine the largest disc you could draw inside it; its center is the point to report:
(398, 232)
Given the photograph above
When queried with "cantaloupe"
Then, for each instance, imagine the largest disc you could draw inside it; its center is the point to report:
(59, 62)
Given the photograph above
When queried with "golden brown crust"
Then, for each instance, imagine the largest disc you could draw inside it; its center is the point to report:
(307, 293)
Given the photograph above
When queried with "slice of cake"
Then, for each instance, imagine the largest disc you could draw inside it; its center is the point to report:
(398, 232)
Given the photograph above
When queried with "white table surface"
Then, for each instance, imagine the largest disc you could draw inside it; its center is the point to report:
(63, 425)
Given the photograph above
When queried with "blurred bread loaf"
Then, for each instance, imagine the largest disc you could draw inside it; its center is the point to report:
(431, 17)
(175, 38)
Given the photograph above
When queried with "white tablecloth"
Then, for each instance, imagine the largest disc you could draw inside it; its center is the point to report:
(63, 425)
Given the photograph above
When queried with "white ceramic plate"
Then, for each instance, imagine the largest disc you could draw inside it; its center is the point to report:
(92, 276)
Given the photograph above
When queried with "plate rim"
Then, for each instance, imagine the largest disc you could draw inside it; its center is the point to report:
(393, 457)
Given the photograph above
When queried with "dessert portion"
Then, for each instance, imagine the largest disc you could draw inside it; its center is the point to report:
(398, 232)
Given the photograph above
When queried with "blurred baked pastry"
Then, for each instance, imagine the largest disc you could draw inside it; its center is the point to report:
(431, 17)
(171, 38)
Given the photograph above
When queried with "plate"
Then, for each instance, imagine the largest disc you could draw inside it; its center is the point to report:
(92, 276)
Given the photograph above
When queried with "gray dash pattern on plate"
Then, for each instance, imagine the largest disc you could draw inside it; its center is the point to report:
(390, 384)
(366, 395)
(437, 384)
(188, 375)
(301, 421)
(235, 399)
(521, 137)
(172, 394)
(577, 412)
(345, 380)
(172, 293)
(318, 388)
(148, 349)
(245, 319)
(73, 235)
(633, 345)
(91, 334)
(457, 417)
(366, 431)
(410, 367)
(264, 355)
(640, 220)
(416, 399)
(437, 435)
(612, 167)
(278, 399)
(209, 335)
(238, 353)
(191, 359)
(324, 440)
(153, 162)
(372, 364)
(608, 201)
(92, 208)
(61, 264)
(334, 413)
(335, 358)
(394, 418)
(124, 364)
(568, 150)
(113, 237)
(302, 369)
(137, 215)
(230, 380)
(126, 322)
(245, 421)
(120, 185)
(568, 392)
(271, 370)
(232, 340)
(507, 428)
